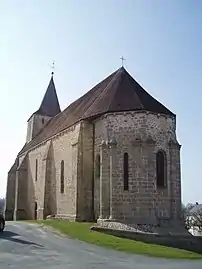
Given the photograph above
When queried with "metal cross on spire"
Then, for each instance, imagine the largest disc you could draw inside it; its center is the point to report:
(122, 59)
(53, 67)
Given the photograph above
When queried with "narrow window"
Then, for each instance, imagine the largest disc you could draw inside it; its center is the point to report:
(36, 170)
(97, 166)
(62, 186)
(35, 211)
(42, 120)
(160, 169)
(125, 170)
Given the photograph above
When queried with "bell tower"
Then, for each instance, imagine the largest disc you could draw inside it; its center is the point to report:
(48, 109)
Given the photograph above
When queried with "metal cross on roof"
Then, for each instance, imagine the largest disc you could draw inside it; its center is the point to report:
(122, 59)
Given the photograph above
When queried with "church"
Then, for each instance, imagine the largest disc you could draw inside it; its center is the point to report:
(111, 155)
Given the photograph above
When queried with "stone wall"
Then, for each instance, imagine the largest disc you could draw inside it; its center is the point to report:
(85, 173)
(50, 203)
(141, 135)
(63, 147)
(10, 193)
(21, 190)
(36, 180)
(190, 243)
(35, 124)
(101, 134)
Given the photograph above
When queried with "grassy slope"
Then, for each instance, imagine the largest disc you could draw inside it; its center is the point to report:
(81, 231)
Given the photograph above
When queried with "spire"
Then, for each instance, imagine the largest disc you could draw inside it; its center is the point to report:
(50, 104)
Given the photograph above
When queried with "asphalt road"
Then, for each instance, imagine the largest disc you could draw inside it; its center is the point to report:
(26, 245)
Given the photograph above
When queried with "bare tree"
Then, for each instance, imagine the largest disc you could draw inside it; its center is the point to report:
(196, 214)
(186, 215)
(192, 215)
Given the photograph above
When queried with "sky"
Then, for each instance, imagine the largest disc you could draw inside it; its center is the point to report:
(160, 40)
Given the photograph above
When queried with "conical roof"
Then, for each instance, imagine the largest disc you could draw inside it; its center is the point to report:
(50, 104)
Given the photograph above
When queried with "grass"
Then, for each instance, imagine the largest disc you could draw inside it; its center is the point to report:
(80, 230)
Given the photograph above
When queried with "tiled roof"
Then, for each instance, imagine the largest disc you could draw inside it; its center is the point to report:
(118, 92)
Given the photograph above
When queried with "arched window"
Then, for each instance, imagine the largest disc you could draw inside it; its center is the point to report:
(125, 171)
(62, 186)
(36, 170)
(161, 169)
(97, 166)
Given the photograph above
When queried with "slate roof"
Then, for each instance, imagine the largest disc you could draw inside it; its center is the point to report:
(50, 105)
(118, 92)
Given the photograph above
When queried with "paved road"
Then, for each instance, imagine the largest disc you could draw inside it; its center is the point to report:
(26, 245)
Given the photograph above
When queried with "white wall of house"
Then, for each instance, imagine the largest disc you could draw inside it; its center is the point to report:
(195, 231)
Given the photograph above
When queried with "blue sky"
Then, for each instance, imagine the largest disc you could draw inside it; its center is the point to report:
(161, 41)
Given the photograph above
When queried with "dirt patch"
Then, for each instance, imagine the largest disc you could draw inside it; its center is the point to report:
(51, 229)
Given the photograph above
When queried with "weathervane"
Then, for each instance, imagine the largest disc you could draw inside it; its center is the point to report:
(53, 68)
(122, 59)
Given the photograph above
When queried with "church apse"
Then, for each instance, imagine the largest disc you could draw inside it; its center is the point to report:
(142, 192)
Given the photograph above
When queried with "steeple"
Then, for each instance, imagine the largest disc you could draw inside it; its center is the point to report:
(50, 105)
(48, 109)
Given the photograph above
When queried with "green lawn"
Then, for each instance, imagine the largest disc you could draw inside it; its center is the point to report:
(81, 231)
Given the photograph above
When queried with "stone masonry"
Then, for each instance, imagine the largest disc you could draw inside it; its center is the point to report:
(91, 186)
(141, 135)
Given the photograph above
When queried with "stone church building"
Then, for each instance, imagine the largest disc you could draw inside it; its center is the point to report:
(110, 155)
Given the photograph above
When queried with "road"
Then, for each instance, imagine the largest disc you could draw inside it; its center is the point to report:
(27, 245)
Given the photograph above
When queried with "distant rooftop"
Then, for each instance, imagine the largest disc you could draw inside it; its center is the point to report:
(196, 208)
